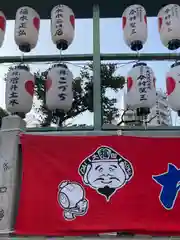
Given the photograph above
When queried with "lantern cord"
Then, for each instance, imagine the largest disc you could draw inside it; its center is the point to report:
(22, 59)
(176, 120)
(176, 54)
(58, 121)
(138, 55)
(145, 122)
(60, 55)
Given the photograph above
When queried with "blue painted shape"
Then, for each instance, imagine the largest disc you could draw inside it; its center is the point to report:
(170, 186)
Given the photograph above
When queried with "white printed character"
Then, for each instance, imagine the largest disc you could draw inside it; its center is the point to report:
(105, 170)
(71, 197)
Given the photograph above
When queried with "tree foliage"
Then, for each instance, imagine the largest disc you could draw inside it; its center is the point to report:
(83, 95)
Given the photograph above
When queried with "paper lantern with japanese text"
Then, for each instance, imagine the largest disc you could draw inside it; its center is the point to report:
(134, 23)
(2, 27)
(19, 90)
(26, 31)
(173, 87)
(59, 94)
(169, 26)
(141, 91)
(62, 26)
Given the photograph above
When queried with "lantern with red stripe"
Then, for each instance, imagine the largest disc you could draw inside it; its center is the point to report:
(62, 26)
(59, 94)
(19, 90)
(173, 87)
(27, 25)
(134, 23)
(141, 91)
(2, 27)
(169, 26)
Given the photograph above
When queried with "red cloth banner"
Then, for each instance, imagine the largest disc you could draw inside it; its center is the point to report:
(96, 184)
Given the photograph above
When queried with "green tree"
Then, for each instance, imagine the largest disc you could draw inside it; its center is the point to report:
(83, 95)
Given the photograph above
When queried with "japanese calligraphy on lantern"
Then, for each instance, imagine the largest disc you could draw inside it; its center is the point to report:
(135, 26)
(148, 78)
(59, 20)
(62, 84)
(132, 20)
(19, 90)
(142, 87)
(13, 93)
(59, 94)
(167, 18)
(23, 18)
(145, 82)
(62, 26)
(27, 24)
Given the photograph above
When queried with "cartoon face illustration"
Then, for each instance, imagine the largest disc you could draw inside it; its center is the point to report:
(105, 171)
(71, 197)
(102, 173)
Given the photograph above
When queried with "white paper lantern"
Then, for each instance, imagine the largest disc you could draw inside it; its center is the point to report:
(2, 27)
(62, 26)
(173, 87)
(141, 91)
(134, 23)
(59, 94)
(19, 90)
(26, 31)
(169, 26)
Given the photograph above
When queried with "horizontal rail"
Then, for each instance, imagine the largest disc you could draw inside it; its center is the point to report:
(107, 131)
(89, 57)
(105, 127)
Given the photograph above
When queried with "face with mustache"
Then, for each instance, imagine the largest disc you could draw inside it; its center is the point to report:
(106, 171)
(106, 174)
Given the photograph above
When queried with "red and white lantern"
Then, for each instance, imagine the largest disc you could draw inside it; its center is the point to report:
(62, 26)
(19, 90)
(27, 25)
(169, 26)
(173, 87)
(134, 23)
(2, 27)
(141, 91)
(59, 93)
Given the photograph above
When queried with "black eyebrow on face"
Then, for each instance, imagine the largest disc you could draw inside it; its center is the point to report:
(97, 167)
(113, 166)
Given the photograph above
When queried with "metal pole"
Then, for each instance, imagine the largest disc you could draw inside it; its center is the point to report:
(89, 57)
(96, 70)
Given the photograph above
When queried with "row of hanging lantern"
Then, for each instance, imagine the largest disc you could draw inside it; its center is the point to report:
(134, 23)
(27, 24)
(20, 82)
(141, 94)
(141, 90)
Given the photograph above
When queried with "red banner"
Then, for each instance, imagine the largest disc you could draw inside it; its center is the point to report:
(97, 184)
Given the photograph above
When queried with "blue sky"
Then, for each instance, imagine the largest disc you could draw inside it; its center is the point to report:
(111, 42)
